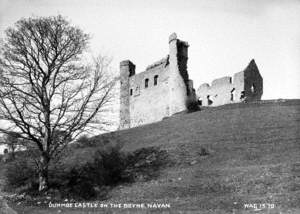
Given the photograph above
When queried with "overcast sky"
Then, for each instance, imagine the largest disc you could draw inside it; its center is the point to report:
(224, 35)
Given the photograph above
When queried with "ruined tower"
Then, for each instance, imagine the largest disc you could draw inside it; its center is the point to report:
(179, 78)
(127, 69)
(159, 91)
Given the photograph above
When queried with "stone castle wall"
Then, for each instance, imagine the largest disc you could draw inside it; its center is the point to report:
(245, 86)
(164, 88)
(150, 104)
(159, 91)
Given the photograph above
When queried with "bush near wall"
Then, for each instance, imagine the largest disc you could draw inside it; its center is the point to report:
(192, 105)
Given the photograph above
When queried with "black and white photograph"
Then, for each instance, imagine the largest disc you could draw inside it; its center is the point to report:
(130, 106)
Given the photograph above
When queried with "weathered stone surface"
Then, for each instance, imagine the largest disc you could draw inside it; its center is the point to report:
(172, 37)
(247, 85)
(164, 87)
(158, 92)
(162, 62)
(127, 69)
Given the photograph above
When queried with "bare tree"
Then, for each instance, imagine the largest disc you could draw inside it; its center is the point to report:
(46, 88)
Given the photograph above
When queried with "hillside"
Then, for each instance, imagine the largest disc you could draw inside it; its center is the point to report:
(254, 157)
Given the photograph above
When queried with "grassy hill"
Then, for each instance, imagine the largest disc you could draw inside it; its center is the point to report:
(254, 157)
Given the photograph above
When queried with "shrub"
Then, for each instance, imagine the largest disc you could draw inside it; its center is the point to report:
(192, 105)
(20, 173)
(77, 183)
(98, 141)
(106, 169)
(112, 163)
(145, 163)
(83, 140)
(84, 181)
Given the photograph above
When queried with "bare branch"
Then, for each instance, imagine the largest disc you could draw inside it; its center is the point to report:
(46, 89)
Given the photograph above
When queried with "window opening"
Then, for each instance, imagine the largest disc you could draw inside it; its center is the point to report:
(252, 88)
(155, 79)
(242, 95)
(146, 83)
(231, 94)
(209, 101)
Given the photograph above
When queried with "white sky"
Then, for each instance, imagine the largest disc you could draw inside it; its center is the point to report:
(224, 35)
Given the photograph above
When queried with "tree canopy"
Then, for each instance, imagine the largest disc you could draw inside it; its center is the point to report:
(46, 87)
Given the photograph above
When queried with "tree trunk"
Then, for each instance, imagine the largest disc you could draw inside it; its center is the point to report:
(43, 173)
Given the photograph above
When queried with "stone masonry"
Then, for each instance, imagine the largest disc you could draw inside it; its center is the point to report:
(245, 86)
(160, 91)
(164, 88)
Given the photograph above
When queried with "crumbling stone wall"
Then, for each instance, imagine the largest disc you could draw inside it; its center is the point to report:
(253, 82)
(245, 86)
(150, 104)
(127, 69)
(159, 91)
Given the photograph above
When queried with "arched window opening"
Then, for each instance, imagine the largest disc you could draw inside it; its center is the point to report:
(155, 79)
(131, 92)
(146, 83)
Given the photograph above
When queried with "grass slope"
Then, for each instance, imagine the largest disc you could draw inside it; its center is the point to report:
(254, 157)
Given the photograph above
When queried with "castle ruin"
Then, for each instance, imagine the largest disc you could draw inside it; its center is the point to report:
(164, 88)
(159, 91)
(245, 86)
